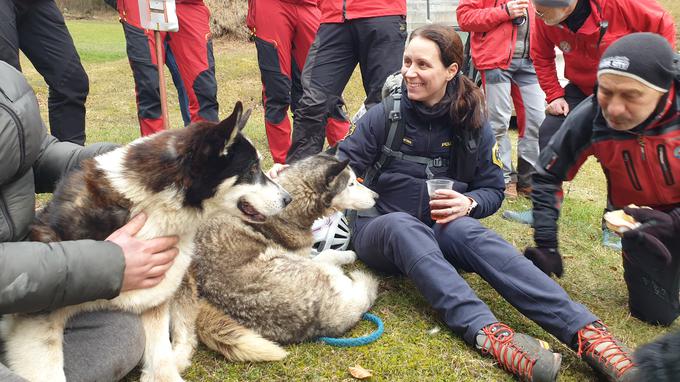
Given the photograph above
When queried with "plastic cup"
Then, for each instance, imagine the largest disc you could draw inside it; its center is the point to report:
(438, 184)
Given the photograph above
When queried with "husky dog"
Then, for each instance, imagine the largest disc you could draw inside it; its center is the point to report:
(257, 281)
(178, 178)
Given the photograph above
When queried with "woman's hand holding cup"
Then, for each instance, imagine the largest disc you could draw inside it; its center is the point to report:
(445, 203)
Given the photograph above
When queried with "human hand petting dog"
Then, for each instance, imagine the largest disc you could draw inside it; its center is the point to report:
(448, 205)
(146, 261)
(276, 169)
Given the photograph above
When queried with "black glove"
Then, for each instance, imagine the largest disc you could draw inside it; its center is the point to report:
(657, 230)
(548, 260)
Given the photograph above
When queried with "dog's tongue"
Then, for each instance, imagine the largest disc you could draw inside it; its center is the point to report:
(250, 211)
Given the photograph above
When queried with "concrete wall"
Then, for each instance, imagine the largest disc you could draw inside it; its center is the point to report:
(441, 11)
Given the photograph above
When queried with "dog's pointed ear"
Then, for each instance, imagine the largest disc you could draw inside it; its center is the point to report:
(243, 119)
(235, 128)
(335, 169)
(226, 131)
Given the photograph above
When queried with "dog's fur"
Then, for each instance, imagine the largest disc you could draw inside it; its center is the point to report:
(257, 282)
(178, 178)
(659, 361)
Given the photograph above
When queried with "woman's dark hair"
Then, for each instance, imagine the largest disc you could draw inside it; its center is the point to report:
(467, 105)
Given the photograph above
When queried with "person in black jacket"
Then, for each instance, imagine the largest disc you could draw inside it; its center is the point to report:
(35, 277)
(447, 136)
(37, 28)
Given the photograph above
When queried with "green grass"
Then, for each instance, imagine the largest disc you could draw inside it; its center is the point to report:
(407, 351)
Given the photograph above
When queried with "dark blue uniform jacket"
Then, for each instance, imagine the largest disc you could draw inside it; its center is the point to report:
(401, 184)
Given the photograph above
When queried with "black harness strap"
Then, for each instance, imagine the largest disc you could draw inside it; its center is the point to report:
(604, 25)
(395, 135)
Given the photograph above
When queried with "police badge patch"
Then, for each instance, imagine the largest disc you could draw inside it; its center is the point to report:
(496, 156)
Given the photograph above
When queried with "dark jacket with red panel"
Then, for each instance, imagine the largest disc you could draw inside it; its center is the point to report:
(608, 21)
(337, 11)
(642, 165)
(493, 35)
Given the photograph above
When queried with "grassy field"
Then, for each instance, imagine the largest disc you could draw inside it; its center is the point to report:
(410, 350)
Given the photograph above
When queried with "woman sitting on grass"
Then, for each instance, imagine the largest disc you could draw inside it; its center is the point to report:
(446, 136)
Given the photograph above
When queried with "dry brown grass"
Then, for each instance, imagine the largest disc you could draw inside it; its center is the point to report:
(673, 6)
(228, 17)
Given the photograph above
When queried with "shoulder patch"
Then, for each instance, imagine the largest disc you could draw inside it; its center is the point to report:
(352, 128)
(446, 144)
(496, 156)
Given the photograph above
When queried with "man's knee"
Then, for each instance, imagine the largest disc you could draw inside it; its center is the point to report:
(74, 83)
(313, 102)
(548, 128)
(652, 283)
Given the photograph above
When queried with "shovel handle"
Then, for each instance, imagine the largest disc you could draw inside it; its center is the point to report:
(161, 78)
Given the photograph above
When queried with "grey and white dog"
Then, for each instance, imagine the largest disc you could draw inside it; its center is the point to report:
(256, 281)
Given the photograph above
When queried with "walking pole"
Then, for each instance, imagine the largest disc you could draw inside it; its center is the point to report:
(159, 16)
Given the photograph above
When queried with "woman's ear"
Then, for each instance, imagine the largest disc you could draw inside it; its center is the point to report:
(451, 71)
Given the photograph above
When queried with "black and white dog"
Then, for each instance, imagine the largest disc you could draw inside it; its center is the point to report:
(178, 178)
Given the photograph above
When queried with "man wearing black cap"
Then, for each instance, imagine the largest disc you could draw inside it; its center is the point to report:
(582, 30)
(632, 128)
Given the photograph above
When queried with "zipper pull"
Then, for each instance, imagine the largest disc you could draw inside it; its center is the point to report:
(642, 147)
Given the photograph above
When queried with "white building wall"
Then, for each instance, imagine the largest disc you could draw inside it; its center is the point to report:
(441, 11)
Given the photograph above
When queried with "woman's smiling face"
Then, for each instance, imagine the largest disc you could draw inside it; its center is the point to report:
(424, 73)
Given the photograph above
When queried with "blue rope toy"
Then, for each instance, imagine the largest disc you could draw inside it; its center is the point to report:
(359, 341)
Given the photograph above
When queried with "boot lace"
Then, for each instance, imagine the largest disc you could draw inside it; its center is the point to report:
(510, 356)
(592, 337)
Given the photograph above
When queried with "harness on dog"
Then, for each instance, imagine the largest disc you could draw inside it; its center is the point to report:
(359, 341)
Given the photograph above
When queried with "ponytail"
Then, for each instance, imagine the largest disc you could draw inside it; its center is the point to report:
(467, 106)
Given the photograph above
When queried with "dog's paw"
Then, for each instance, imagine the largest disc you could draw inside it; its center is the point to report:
(346, 257)
(183, 357)
(164, 371)
(336, 257)
(161, 376)
(368, 282)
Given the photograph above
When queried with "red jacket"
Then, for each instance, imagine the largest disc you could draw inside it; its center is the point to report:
(642, 166)
(337, 11)
(581, 52)
(492, 32)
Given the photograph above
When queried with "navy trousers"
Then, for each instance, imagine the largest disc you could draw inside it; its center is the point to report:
(431, 257)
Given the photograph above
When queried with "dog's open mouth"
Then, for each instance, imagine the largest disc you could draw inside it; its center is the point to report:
(250, 211)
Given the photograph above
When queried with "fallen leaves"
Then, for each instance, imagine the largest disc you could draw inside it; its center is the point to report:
(359, 372)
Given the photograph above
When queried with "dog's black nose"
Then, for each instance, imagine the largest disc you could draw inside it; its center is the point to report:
(287, 199)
